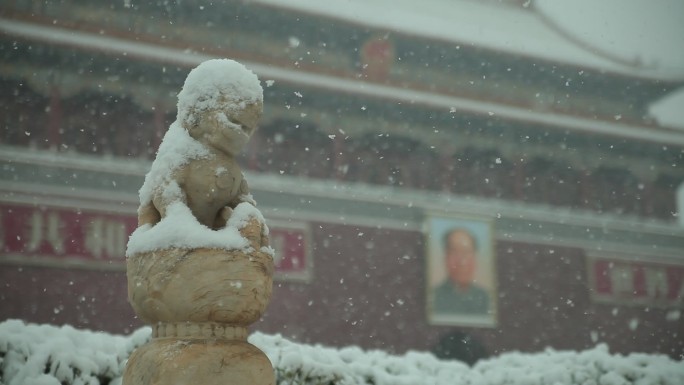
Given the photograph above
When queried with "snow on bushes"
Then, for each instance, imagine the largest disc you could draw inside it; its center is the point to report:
(47, 355)
(317, 365)
(33, 354)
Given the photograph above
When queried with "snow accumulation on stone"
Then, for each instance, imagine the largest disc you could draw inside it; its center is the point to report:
(180, 229)
(47, 355)
(176, 150)
(213, 83)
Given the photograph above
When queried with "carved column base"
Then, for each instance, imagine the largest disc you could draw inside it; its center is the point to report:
(196, 361)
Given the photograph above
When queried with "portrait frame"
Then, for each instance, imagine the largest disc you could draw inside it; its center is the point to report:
(481, 229)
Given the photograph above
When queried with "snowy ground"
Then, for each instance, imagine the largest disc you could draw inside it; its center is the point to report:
(33, 354)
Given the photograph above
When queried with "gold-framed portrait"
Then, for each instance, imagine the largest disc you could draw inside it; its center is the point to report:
(461, 271)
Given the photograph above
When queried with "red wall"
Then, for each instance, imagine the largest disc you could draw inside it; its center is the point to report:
(81, 298)
(368, 290)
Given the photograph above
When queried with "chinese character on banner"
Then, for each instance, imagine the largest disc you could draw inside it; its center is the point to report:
(105, 238)
(45, 228)
(621, 278)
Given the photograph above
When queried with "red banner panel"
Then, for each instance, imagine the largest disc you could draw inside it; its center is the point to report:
(50, 236)
(637, 282)
(65, 234)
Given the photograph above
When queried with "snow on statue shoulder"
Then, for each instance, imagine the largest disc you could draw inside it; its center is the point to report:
(195, 167)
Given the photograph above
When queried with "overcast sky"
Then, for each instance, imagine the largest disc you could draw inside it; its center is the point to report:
(652, 30)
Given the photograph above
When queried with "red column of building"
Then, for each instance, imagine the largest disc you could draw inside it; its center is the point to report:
(446, 172)
(54, 134)
(338, 157)
(519, 181)
(585, 189)
(647, 200)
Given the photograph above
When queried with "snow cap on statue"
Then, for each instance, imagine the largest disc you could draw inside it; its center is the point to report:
(218, 83)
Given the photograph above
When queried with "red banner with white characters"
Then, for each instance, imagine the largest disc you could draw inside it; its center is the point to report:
(65, 233)
(51, 236)
(637, 282)
(290, 240)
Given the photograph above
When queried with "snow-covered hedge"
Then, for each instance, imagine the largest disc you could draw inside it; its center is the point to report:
(47, 355)
(33, 354)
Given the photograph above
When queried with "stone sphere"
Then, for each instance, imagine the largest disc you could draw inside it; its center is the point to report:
(168, 361)
(200, 285)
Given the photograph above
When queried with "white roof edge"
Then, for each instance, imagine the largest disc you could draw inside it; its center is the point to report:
(669, 110)
(186, 57)
(515, 31)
